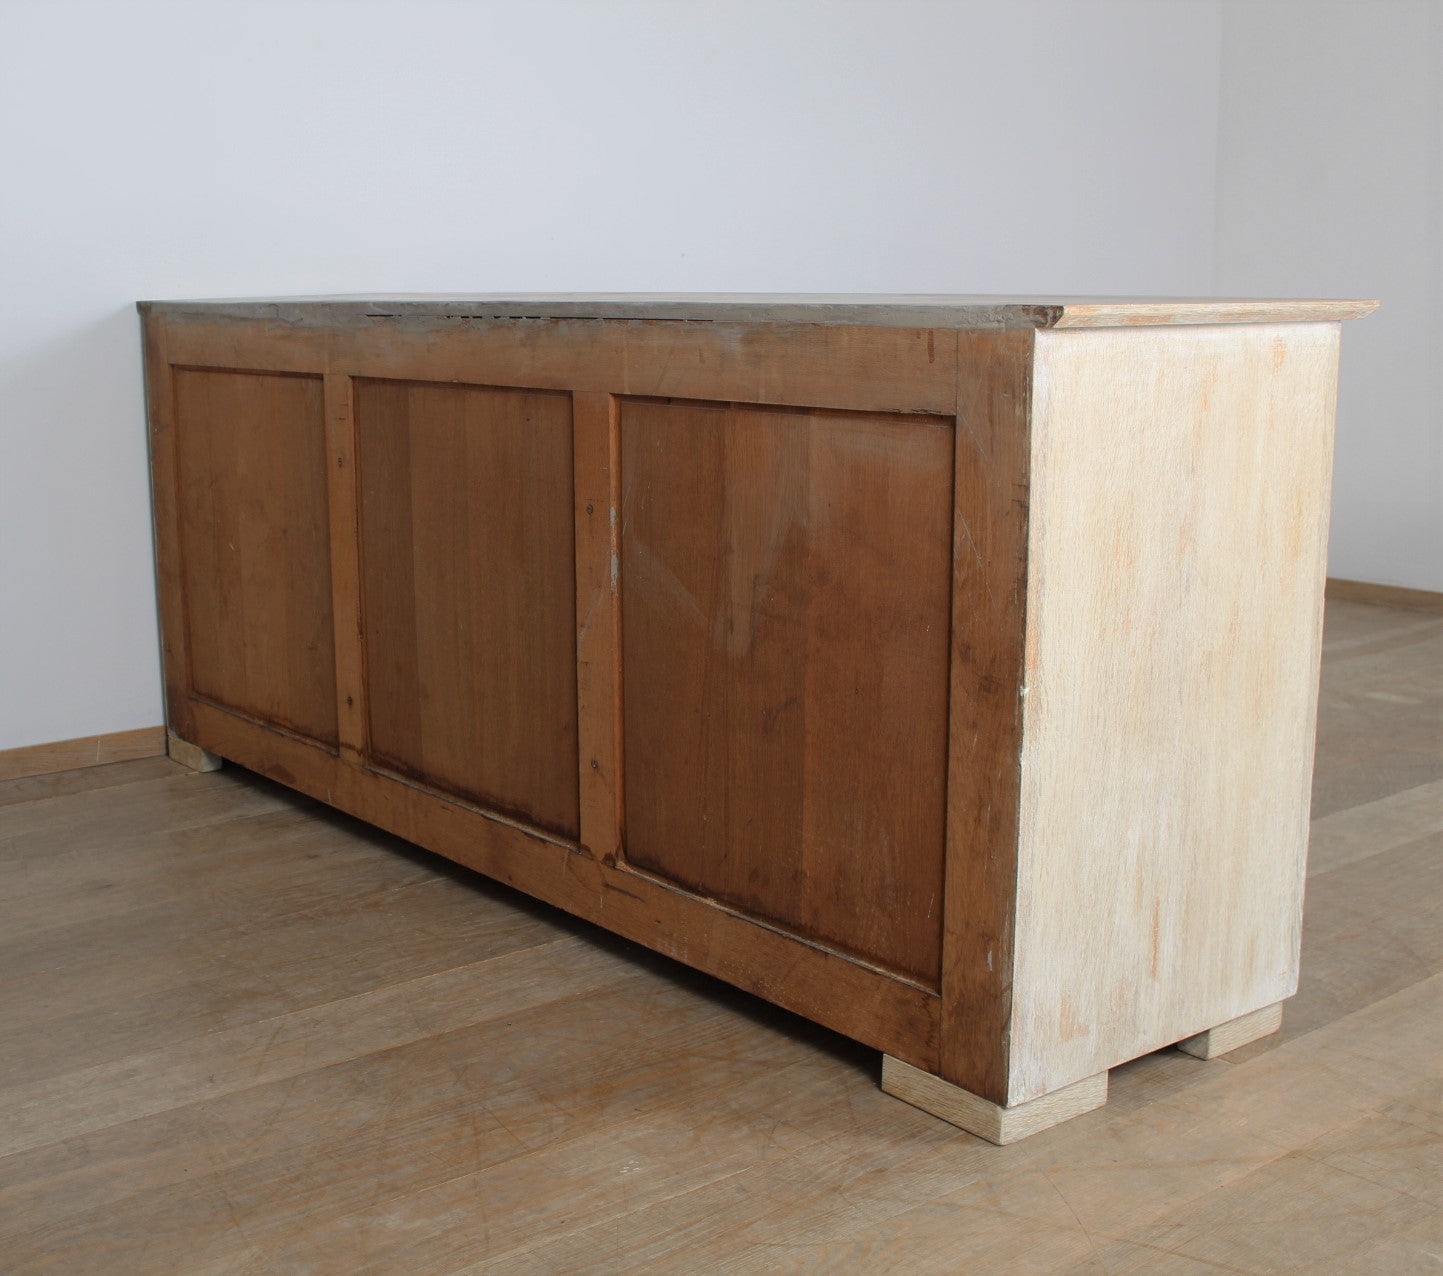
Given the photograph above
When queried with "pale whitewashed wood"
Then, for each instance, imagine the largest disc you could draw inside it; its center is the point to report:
(1180, 483)
(1161, 310)
(981, 1116)
(190, 755)
(1235, 1033)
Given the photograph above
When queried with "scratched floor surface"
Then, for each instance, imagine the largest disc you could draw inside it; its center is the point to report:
(244, 1034)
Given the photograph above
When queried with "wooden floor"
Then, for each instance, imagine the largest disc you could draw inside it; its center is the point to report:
(241, 1034)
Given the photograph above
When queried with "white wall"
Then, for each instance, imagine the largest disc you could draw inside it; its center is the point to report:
(203, 149)
(1330, 184)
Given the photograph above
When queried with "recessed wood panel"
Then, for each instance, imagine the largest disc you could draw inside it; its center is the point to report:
(468, 593)
(251, 460)
(785, 587)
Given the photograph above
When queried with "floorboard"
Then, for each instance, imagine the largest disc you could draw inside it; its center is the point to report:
(244, 1034)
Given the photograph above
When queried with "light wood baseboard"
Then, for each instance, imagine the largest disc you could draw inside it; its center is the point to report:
(90, 750)
(1362, 591)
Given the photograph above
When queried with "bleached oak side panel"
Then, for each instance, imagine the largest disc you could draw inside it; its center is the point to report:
(1180, 483)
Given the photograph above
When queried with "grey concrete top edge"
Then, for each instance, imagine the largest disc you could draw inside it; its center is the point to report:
(904, 310)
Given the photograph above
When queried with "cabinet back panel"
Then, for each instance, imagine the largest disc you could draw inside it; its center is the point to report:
(251, 455)
(468, 593)
(785, 603)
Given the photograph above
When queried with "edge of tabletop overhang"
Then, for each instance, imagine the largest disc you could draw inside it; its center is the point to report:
(877, 310)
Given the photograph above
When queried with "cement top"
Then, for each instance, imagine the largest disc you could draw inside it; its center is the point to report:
(906, 310)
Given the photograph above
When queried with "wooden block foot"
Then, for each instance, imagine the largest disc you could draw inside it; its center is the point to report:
(191, 755)
(1236, 1032)
(982, 1117)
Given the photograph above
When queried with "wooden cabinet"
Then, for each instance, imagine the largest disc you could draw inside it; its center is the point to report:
(943, 669)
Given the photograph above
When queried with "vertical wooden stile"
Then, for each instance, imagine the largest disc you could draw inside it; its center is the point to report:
(160, 405)
(598, 684)
(341, 482)
(987, 685)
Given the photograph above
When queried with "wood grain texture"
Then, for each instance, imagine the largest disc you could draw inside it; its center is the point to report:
(255, 546)
(342, 501)
(1164, 312)
(961, 739)
(83, 751)
(165, 512)
(786, 594)
(1233, 1035)
(469, 603)
(846, 995)
(989, 566)
(242, 345)
(598, 623)
(851, 369)
(803, 365)
(34, 788)
(243, 1033)
(1362, 591)
(982, 1117)
(1177, 550)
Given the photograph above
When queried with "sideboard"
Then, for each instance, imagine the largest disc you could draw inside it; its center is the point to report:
(943, 669)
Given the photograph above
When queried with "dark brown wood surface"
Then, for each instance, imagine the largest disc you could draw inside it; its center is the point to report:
(598, 623)
(468, 593)
(805, 365)
(165, 502)
(472, 476)
(854, 999)
(254, 545)
(345, 565)
(994, 375)
(786, 594)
